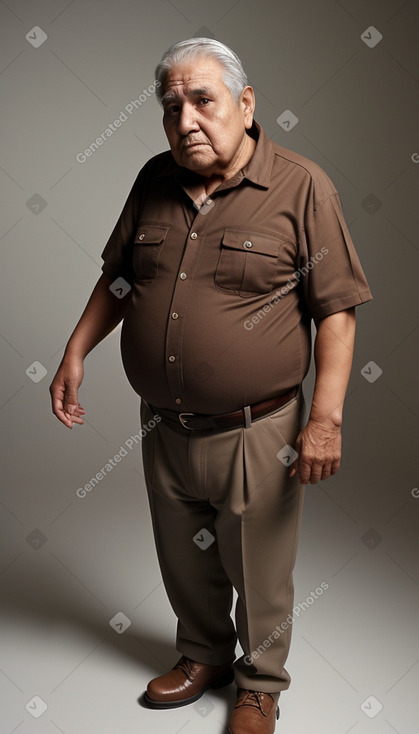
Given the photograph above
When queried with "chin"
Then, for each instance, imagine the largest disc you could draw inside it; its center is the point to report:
(196, 164)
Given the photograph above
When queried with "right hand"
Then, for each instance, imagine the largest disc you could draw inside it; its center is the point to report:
(64, 391)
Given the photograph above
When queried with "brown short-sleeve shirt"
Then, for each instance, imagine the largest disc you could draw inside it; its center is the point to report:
(223, 296)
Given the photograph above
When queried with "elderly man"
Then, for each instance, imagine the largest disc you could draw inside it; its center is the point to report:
(232, 245)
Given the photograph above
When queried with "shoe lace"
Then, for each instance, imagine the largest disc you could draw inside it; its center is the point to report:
(253, 698)
(186, 666)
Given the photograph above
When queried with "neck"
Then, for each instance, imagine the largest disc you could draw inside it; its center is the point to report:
(243, 156)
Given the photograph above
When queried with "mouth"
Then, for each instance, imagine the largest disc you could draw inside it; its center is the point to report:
(193, 145)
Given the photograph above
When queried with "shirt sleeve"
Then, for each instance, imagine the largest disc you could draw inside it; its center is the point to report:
(117, 253)
(330, 273)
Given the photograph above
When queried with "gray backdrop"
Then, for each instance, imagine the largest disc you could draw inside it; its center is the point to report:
(348, 70)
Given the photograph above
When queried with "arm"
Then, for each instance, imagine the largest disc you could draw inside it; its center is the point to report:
(319, 443)
(102, 313)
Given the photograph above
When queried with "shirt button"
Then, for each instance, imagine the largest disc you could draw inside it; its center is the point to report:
(194, 236)
(247, 244)
(183, 276)
(178, 401)
(141, 236)
(175, 315)
(172, 358)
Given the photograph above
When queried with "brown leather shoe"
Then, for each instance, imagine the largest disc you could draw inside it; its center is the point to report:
(185, 683)
(254, 713)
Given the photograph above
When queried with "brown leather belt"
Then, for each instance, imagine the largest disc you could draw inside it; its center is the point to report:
(227, 421)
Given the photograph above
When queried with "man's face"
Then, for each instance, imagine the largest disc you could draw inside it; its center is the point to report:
(205, 127)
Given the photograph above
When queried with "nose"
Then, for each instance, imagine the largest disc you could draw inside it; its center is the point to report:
(187, 120)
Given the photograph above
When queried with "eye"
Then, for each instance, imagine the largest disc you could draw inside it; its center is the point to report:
(171, 109)
(204, 100)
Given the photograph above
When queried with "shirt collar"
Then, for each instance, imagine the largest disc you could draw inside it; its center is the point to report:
(258, 170)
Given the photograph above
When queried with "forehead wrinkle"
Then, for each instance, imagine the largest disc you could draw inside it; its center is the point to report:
(172, 94)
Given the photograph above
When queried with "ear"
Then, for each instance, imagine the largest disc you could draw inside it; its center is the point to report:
(247, 103)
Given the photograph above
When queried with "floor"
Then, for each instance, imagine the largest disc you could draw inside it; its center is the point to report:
(86, 621)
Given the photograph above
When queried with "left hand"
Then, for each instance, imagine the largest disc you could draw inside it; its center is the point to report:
(319, 451)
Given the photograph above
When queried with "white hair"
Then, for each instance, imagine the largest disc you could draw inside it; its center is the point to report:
(234, 77)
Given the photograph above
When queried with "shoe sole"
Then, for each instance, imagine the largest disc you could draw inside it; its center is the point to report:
(225, 680)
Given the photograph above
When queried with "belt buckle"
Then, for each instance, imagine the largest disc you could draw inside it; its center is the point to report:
(183, 417)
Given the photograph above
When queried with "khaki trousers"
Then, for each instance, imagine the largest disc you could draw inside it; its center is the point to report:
(225, 514)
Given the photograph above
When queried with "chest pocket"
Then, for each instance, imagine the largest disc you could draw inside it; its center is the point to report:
(148, 245)
(248, 262)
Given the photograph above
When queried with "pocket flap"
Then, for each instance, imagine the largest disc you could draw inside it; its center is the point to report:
(241, 239)
(150, 234)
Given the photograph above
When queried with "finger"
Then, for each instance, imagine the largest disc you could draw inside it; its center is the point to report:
(312, 472)
(305, 471)
(73, 409)
(73, 418)
(65, 416)
(71, 397)
(293, 469)
(73, 413)
(58, 410)
(294, 466)
(326, 471)
(315, 477)
(335, 466)
(79, 410)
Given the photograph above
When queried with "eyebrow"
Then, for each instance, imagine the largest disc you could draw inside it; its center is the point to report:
(198, 92)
